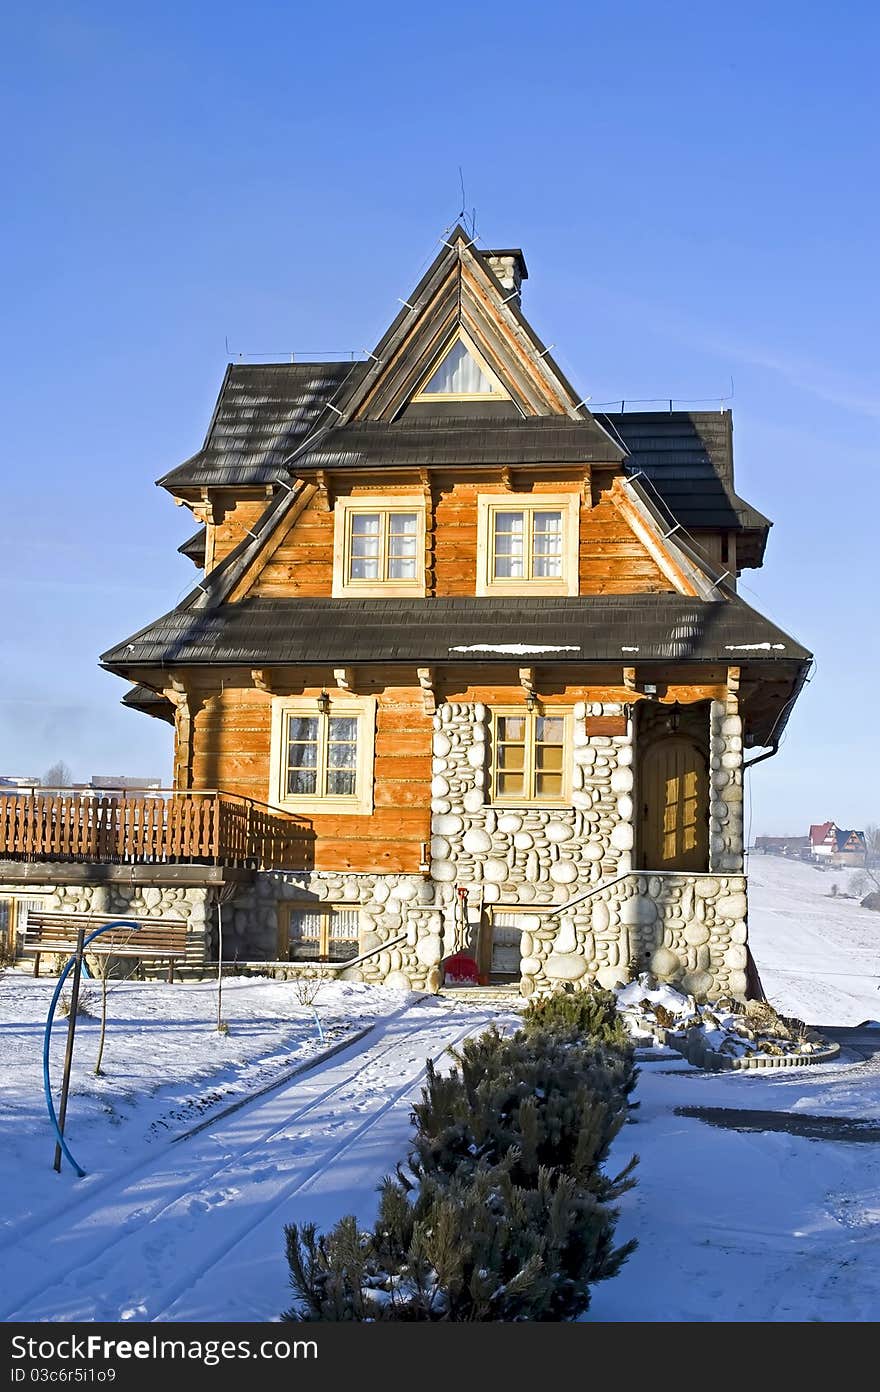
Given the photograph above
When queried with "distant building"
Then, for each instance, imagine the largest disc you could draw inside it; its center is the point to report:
(837, 847)
(795, 846)
(107, 784)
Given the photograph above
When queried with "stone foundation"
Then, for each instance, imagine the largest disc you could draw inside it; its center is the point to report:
(192, 906)
(686, 928)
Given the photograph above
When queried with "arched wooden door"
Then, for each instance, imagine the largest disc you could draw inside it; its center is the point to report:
(675, 806)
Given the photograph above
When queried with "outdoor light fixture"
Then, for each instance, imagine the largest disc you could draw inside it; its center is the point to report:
(531, 703)
(324, 703)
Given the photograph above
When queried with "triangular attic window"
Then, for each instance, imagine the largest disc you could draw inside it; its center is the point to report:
(459, 374)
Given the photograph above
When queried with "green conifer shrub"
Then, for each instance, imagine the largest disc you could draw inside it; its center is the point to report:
(591, 1012)
(505, 1213)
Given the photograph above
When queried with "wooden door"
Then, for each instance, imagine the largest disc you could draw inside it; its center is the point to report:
(675, 811)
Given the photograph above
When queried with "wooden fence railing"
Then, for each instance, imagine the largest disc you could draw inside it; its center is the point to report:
(215, 828)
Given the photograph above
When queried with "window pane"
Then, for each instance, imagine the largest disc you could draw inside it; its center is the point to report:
(511, 727)
(305, 934)
(511, 756)
(302, 727)
(302, 755)
(343, 727)
(510, 784)
(340, 783)
(301, 782)
(546, 544)
(364, 570)
(403, 524)
(365, 544)
(343, 934)
(401, 569)
(549, 729)
(341, 755)
(459, 373)
(508, 555)
(549, 757)
(548, 785)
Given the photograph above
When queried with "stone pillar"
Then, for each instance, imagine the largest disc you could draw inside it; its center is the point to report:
(726, 786)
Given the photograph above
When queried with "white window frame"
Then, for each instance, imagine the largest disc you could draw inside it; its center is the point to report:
(488, 504)
(529, 798)
(360, 803)
(325, 913)
(343, 511)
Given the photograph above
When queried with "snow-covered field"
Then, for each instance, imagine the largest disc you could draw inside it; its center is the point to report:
(818, 955)
(750, 1225)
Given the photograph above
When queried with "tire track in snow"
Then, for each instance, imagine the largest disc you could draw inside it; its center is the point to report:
(146, 1238)
(85, 1192)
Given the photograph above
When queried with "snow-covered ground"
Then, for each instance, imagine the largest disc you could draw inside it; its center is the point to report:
(750, 1225)
(818, 955)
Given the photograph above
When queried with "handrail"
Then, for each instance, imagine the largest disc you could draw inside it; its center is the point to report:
(588, 894)
(364, 956)
(161, 794)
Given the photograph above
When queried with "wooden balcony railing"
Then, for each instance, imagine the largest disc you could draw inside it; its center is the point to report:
(171, 827)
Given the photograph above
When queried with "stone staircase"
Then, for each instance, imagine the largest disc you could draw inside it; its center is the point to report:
(497, 994)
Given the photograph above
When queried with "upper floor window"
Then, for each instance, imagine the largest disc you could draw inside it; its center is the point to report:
(530, 756)
(462, 374)
(379, 547)
(527, 543)
(322, 753)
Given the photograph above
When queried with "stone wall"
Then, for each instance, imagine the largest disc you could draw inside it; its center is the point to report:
(522, 856)
(191, 906)
(726, 786)
(389, 906)
(686, 929)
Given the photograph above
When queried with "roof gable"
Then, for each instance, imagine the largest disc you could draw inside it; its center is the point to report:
(460, 294)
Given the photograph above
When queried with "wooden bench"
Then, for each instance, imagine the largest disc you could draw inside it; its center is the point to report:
(159, 939)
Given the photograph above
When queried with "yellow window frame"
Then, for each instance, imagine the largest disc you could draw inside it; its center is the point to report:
(345, 510)
(531, 746)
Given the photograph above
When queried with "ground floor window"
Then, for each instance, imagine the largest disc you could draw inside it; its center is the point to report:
(323, 933)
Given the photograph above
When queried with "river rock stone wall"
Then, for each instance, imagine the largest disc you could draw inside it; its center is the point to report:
(388, 906)
(192, 906)
(689, 930)
(529, 855)
(726, 786)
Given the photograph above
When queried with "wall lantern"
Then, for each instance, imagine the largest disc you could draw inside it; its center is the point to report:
(324, 703)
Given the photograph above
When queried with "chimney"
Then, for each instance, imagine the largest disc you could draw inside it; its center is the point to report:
(510, 268)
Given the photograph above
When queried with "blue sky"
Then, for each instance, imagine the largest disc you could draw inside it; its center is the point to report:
(695, 190)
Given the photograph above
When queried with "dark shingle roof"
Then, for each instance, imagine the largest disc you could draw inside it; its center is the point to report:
(629, 628)
(262, 414)
(194, 546)
(460, 440)
(688, 458)
(265, 412)
(143, 698)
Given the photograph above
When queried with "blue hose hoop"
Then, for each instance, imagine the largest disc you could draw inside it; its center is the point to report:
(47, 1088)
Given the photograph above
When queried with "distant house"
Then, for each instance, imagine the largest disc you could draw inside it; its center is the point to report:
(837, 847)
(795, 846)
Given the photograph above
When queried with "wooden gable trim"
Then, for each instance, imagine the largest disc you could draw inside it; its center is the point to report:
(264, 552)
(677, 570)
(460, 290)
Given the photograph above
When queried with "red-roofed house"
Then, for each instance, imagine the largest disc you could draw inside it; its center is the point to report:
(837, 846)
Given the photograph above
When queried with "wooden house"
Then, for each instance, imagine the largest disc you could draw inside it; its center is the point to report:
(837, 847)
(467, 668)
